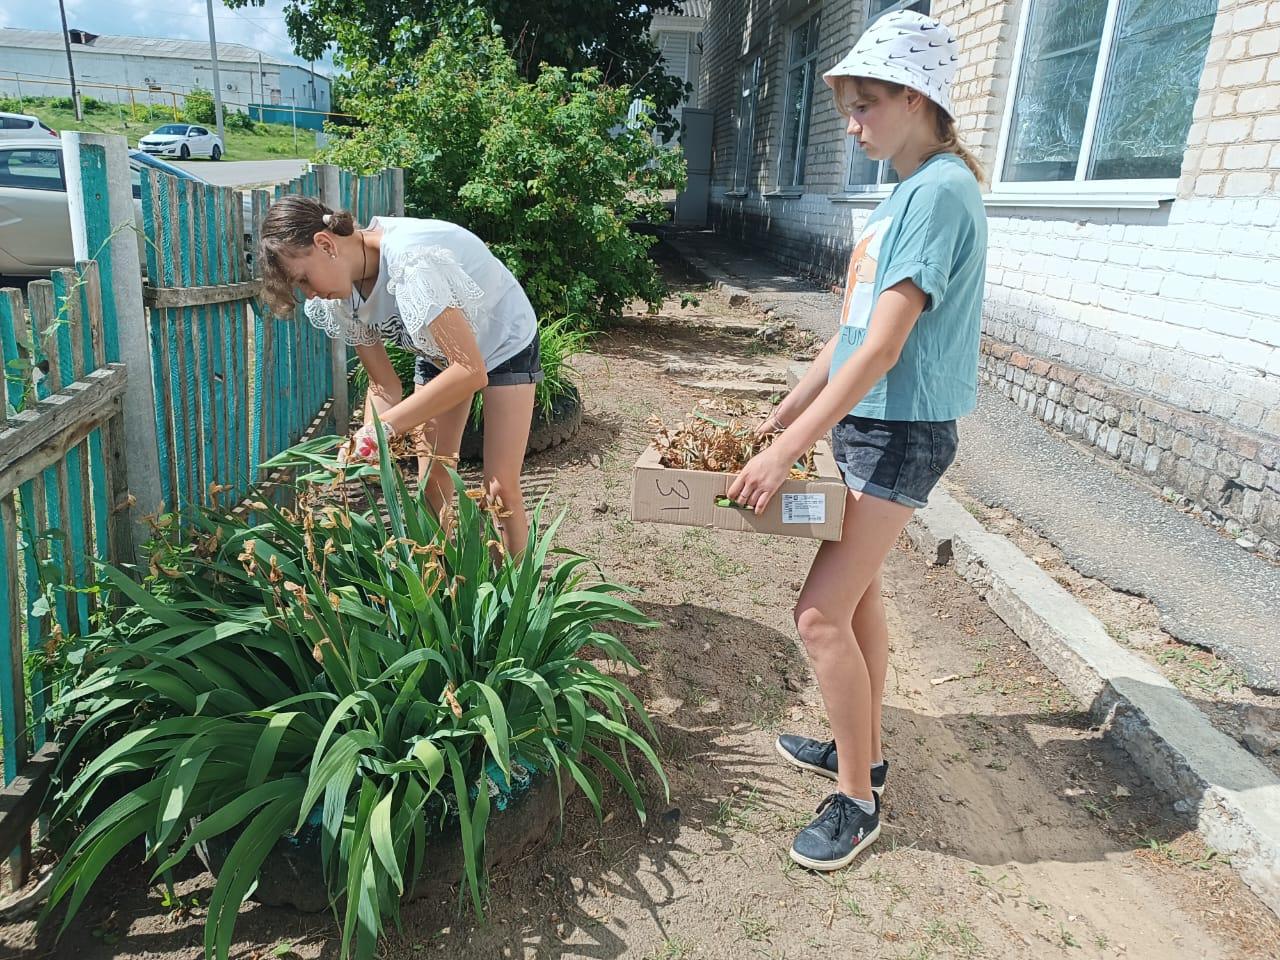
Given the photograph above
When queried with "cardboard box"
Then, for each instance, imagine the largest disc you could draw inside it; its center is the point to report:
(800, 508)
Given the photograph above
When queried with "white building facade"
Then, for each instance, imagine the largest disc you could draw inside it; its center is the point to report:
(33, 63)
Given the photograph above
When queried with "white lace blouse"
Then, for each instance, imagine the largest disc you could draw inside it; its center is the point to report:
(426, 267)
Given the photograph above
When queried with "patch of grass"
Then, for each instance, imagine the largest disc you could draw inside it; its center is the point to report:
(736, 810)
(755, 927)
(1067, 937)
(265, 141)
(674, 948)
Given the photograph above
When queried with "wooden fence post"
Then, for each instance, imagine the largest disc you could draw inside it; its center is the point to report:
(331, 196)
(103, 228)
(397, 192)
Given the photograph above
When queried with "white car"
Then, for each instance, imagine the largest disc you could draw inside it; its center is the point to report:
(23, 126)
(182, 140)
(35, 225)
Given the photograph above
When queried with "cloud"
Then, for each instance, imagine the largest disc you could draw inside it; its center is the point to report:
(262, 28)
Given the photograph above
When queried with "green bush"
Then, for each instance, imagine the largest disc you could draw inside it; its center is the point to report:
(198, 107)
(237, 120)
(94, 105)
(558, 340)
(370, 665)
(547, 172)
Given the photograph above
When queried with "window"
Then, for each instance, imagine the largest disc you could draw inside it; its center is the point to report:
(866, 174)
(32, 169)
(15, 123)
(748, 90)
(1104, 90)
(797, 105)
(199, 132)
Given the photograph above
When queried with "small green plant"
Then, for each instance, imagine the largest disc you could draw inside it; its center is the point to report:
(198, 107)
(366, 667)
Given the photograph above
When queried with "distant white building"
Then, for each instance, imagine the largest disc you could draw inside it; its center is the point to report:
(33, 63)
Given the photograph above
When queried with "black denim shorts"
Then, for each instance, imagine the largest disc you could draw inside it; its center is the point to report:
(898, 460)
(524, 367)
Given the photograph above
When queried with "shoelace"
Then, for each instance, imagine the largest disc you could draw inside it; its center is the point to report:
(836, 807)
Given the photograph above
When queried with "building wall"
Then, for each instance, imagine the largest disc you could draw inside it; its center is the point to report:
(110, 76)
(1174, 304)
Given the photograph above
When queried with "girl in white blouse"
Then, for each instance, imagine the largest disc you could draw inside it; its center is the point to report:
(434, 288)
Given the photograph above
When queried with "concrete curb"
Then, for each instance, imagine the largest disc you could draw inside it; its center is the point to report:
(718, 278)
(1168, 737)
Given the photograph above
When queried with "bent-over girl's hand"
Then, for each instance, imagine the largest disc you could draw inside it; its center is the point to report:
(759, 480)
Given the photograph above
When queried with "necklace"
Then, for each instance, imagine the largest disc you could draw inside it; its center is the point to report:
(364, 267)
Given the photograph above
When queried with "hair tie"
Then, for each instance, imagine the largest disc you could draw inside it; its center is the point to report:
(327, 219)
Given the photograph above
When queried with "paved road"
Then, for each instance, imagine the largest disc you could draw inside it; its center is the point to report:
(241, 173)
(1209, 591)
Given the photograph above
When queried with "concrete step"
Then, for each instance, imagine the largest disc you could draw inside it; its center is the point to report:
(727, 371)
(735, 388)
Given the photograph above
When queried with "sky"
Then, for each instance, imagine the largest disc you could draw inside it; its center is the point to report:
(259, 27)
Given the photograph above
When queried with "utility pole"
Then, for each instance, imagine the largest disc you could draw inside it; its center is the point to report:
(71, 69)
(217, 84)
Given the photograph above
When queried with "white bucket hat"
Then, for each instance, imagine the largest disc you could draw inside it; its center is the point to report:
(908, 48)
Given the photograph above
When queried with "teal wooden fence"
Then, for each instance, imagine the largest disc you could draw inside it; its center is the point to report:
(215, 387)
(61, 479)
(234, 385)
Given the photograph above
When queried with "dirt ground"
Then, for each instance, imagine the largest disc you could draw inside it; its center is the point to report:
(1012, 829)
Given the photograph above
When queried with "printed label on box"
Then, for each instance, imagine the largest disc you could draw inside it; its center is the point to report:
(804, 508)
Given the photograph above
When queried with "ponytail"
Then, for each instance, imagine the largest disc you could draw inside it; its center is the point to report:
(949, 142)
(289, 229)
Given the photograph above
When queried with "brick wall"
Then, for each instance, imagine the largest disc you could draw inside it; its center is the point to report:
(1233, 147)
(1229, 477)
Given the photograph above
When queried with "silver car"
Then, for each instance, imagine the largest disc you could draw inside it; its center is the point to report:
(35, 225)
(23, 126)
(182, 140)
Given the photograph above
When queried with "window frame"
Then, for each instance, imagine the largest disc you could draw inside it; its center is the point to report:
(808, 66)
(1140, 192)
(743, 146)
(56, 186)
(882, 187)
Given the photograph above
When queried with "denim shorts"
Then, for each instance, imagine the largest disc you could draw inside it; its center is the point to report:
(898, 460)
(524, 367)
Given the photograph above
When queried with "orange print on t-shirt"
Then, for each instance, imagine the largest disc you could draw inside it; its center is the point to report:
(862, 269)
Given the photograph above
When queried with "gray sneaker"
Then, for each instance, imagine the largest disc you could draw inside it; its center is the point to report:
(841, 831)
(819, 756)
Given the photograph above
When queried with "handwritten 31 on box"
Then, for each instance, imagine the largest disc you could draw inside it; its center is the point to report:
(801, 508)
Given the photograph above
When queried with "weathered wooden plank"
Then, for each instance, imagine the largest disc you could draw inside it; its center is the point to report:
(263, 356)
(35, 438)
(97, 459)
(43, 318)
(20, 801)
(12, 322)
(73, 473)
(201, 295)
(176, 326)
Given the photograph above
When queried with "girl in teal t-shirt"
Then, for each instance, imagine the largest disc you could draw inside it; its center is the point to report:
(889, 387)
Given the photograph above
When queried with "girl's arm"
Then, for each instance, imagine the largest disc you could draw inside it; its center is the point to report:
(896, 311)
(385, 389)
(457, 383)
(804, 393)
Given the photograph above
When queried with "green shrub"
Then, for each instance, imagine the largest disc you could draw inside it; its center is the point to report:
(547, 172)
(558, 340)
(94, 105)
(62, 103)
(369, 664)
(198, 107)
(237, 120)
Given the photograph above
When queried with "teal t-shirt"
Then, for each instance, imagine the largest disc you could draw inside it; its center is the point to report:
(932, 230)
